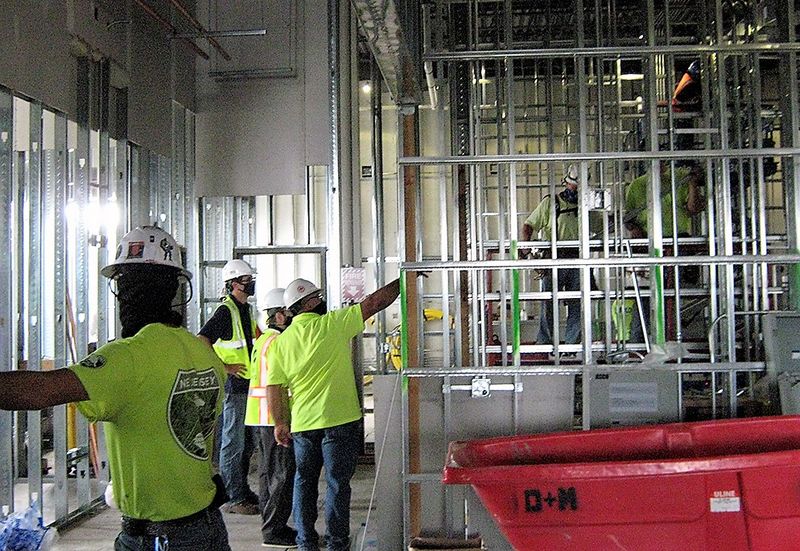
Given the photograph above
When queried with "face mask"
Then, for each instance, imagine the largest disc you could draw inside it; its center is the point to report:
(321, 308)
(570, 195)
(250, 288)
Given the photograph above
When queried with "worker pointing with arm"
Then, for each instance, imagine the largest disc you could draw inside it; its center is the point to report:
(312, 359)
(158, 391)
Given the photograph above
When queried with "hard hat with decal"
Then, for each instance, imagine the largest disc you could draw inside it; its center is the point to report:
(298, 290)
(234, 269)
(147, 245)
(274, 299)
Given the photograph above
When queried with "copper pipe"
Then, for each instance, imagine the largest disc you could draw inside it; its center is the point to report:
(167, 25)
(196, 24)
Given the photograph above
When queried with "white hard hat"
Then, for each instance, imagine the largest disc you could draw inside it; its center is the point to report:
(274, 299)
(147, 245)
(571, 175)
(298, 290)
(235, 269)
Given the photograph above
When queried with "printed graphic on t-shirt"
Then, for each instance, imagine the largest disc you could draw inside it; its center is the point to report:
(193, 409)
(94, 361)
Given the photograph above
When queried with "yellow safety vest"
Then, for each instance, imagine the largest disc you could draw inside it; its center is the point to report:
(234, 351)
(258, 413)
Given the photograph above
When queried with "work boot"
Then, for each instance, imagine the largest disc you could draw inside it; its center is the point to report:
(284, 541)
(241, 508)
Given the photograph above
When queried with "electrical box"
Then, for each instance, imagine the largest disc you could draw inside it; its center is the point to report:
(781, 346)
(782, 355)
(634, 398)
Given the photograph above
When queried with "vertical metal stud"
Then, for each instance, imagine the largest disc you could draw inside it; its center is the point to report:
(55, 202)
(33, 287)
(6, 288)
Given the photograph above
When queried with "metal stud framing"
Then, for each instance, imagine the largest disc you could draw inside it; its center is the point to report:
(51, 184)
(535, 85)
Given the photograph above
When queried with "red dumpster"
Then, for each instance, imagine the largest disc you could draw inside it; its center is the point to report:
(719, 485)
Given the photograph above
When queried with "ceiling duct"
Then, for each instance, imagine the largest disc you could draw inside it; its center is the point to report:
(393, 51)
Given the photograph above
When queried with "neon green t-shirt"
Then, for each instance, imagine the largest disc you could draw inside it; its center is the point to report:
(313, 359)
(636, 200)
(159, 394)
(567, 224)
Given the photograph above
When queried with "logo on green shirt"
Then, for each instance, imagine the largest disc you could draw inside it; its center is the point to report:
(93, 361)
(192, 410)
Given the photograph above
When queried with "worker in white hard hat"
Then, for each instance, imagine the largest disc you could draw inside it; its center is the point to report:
(231, 331)
(567, 229)
(312, 360)
(158, 390)
(276, 463)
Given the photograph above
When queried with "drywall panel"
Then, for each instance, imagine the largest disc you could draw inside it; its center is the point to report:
(256, 136)
(316, 87)
(272, 54)
(101, 26)
(149, 101)
(249, 140)
(388, 460)
(36, 58)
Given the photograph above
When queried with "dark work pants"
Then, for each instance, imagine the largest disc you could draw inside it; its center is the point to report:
(275, 483)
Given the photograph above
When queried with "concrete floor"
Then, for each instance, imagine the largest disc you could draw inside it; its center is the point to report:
(98, 532)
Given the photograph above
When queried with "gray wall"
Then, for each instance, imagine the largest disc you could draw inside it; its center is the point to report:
(264, 116)
(42, 41)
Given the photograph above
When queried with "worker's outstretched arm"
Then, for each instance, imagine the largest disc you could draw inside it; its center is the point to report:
(380, 299)
(32, 390)
(278, 400)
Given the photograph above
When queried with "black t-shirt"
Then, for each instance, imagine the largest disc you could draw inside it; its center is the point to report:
(219, 327)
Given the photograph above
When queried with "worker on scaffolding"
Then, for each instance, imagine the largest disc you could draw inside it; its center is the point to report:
(231, 331)
(686, 103)
(312, 359)
(158, 390)
(688, 202)
(567, 229)
(276, 463)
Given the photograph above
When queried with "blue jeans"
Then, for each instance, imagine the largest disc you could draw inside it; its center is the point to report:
(337, 449)
(235, 449)
(568, 280)
(204, 534)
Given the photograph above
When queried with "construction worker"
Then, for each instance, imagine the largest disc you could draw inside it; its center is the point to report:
(276, 463)
(567, 228)
(231, 331)
(689, 201)
(158, 390)
(312, 360)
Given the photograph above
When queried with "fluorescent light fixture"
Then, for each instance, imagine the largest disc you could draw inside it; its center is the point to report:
(631, 76)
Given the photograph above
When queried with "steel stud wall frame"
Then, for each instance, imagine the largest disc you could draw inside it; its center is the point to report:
(54, 176)
(534, 86)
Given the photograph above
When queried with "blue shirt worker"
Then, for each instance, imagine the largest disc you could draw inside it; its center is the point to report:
(158, 391)
(275, 463)
(231, 331)
(312, 359)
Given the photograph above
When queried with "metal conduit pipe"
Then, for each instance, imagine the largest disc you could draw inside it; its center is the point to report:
(196, 24)
(148, 9)
(433, 94)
